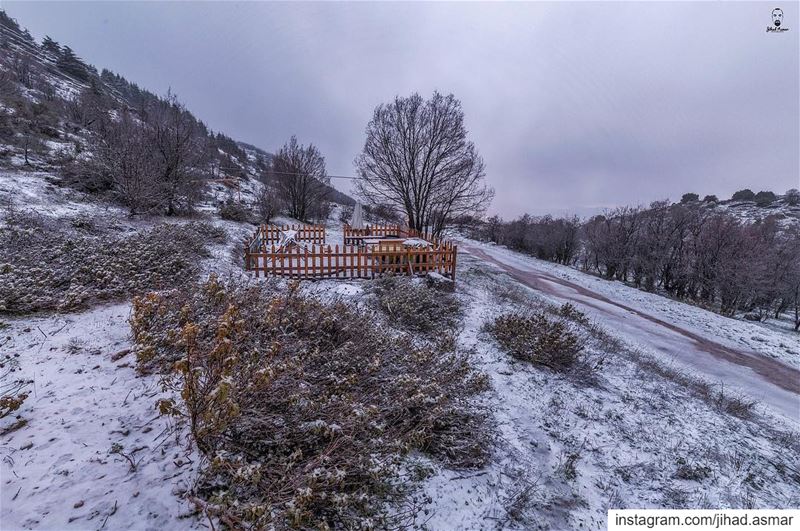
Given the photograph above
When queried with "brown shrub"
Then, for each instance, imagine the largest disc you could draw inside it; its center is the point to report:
(49, 265)
(416, 306)
(539, 339)
(235, 211)
(304, 409)
(570, 312)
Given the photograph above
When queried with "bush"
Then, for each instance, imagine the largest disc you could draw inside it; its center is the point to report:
(710, 199)
(569, 311)
(539, 339)
(303, 409)
(416, 306)
(792, 197)
(690, 198)
(234, 211)
(765, 198)
(744, 195)
(346, 214)
(52, 266)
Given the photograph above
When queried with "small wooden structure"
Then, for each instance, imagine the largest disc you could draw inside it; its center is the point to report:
(384, 251)
(267, 234)
(353, 235)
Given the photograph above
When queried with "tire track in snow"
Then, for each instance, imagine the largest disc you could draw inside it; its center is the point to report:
(769, 380)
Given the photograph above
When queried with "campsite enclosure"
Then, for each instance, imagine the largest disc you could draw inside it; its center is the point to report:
(263, 256)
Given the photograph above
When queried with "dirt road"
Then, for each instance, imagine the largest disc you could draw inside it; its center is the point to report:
(768, 380)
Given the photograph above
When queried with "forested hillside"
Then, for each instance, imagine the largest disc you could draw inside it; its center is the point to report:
(105, 135)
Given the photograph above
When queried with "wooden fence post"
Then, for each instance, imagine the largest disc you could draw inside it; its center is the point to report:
(455, 254)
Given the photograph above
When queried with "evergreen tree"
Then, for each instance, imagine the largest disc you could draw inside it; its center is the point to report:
(744, 195)
(71, 64)
(8, 22)
(690, 198)
(51, 46)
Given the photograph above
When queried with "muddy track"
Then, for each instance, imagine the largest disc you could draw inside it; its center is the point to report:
(771, 370)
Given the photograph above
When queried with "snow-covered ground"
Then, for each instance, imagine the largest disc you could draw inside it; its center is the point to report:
(85, 398)
(764, 338)
(88, 413)
(35, 191)
(753, 358)
(565, 451)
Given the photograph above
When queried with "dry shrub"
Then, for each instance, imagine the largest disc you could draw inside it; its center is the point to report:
(417, 306)
(46, 265)
(540, 339)
(570, 312)
(234, 211)
(304, 409)
(13, 393)
(11, 403)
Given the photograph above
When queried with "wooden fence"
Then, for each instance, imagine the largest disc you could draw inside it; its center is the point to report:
(352, 236)
(352, 261)
(268, 234)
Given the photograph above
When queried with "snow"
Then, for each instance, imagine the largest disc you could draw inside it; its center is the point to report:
(623, 438)
(640, 318)
(32, 191)
(59, 469)
(564, 451)
(416, 242)
(749, 212)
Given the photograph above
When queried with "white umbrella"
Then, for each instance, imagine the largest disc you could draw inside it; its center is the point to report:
(358, 217)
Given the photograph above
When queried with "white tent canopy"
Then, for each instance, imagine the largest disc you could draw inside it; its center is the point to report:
(358, 217)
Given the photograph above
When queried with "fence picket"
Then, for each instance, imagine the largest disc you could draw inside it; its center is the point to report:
(351, 261)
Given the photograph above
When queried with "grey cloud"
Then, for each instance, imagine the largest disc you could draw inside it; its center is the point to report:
(574, 106)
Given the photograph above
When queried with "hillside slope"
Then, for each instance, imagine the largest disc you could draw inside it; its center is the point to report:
(52, 105)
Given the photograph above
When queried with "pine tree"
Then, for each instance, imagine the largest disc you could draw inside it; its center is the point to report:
(8, 22)
(51, 46)
(71, 64)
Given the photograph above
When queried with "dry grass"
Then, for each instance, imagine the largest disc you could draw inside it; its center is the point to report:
(725, 401)
(417, 306)
(47, 265)
(304, 409)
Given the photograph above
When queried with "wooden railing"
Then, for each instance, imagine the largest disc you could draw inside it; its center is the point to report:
(268, 234)
(351, 261)
(352, 236)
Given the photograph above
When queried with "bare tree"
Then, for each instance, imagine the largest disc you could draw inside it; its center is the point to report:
(300, 179)
(23, 67)
(123, 157)
(266, 203)
(179, 153)
(88, 108)
(418, 159)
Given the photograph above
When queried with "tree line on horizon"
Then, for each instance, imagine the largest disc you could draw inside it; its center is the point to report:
(685, 250)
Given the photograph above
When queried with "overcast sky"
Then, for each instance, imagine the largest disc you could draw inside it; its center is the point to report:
(574, 106)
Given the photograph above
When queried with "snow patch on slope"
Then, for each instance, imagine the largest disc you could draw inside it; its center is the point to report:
(60, 469)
